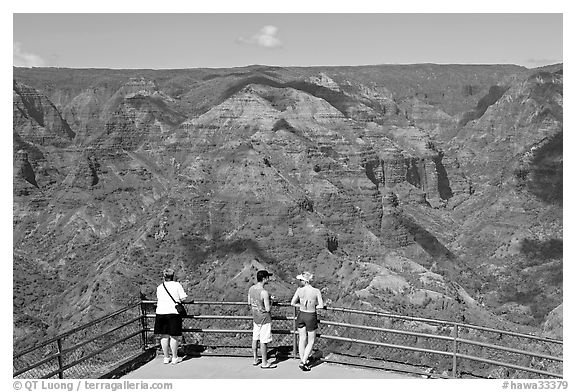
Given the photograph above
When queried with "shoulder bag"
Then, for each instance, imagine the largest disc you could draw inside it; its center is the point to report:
(179, 307)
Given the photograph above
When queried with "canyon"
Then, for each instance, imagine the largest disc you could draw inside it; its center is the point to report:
(430, 190)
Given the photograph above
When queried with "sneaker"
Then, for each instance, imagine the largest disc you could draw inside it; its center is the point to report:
(268, 366)
(176, 360)
(166, 360)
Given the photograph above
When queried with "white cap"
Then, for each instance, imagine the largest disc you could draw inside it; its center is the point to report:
(305, 276)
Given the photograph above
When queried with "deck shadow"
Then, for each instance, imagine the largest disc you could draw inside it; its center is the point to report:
(280, 353)
(192, 351)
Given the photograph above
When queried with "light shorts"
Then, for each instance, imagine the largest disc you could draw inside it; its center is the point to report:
(262, 332)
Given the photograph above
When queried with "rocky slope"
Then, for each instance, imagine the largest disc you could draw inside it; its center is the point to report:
(426, 189)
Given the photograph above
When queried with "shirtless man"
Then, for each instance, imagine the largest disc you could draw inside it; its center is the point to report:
(307, 299)
(259, 301)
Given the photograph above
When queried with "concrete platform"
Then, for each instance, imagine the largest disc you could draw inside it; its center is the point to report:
(242, 368)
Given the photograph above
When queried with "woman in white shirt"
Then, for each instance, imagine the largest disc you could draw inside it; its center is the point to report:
(168, 323)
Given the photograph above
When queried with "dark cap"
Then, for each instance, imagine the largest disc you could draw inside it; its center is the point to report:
(262, 274)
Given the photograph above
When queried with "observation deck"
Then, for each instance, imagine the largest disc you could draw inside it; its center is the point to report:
(241, 368)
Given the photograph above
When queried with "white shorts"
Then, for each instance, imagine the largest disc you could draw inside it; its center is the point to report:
(262, 332)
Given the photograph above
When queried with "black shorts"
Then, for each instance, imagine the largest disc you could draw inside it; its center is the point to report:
(168, 324)
(308, 320)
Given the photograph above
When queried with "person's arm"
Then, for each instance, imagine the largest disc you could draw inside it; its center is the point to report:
(249, 302)
(181, 292)
(266, 298)
(319, 298)
(294, 299)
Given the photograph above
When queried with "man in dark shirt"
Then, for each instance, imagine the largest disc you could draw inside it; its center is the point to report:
(259, 301)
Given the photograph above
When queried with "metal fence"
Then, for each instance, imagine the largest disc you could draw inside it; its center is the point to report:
(447, 349)
(218, 324)
(86, 351)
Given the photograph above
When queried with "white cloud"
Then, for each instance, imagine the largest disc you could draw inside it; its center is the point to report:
(25, 59)
(267, 37)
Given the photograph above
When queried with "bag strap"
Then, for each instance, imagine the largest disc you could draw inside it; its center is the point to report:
(165, 288)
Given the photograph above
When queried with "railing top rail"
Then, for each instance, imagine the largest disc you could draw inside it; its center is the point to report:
(205, 302)
(74, 330)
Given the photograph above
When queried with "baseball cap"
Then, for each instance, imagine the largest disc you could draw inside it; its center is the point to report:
(262, 274)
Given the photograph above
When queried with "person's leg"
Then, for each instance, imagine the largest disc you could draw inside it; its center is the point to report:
(301, 342)
(255, 339)
(174, 342)
(309, 345)
(265, 338)
(164, 343)
(255, 350)
(264, 353)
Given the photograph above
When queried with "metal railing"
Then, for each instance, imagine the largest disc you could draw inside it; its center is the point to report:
(86, 351)
(451, 349)
(459, 343)
(287, 321)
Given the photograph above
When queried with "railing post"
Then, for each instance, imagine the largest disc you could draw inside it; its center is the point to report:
(294, 335)
(144, 323)
(60, 365)
(454, 348)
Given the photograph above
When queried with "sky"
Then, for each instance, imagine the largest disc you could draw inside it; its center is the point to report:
(191, 40)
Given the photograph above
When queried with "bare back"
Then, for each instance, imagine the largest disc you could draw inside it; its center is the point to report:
(308, 298)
